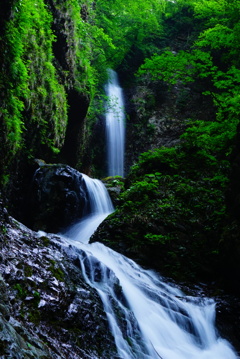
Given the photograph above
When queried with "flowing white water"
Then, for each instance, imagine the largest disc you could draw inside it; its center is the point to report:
(100, 206)
(148, 318)
(115, 126)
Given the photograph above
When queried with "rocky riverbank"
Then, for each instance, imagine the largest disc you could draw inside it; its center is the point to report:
(46, 308)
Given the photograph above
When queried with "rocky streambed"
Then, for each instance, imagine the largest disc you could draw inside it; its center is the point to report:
(46, 308)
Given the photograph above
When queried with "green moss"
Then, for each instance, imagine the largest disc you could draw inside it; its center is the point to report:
(34, 109)
(31, 76)
(34, 316)
(21, 290)
(56, 271)
(45, 240)
(3, 229)
(28, 270)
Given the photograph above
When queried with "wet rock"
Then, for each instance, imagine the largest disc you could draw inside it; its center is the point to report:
(46, 308)
(57, 198)
(114, 186)
(228, 318)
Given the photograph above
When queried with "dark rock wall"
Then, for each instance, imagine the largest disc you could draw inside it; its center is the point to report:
(74, 140)
(157, 115)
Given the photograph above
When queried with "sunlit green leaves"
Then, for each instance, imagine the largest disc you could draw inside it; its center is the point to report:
(214, 9)
(212, 61)
(217, 37)
(169, 67)
(128, 24)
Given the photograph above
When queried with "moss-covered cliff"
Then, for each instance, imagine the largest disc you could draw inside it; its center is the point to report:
(47, 82)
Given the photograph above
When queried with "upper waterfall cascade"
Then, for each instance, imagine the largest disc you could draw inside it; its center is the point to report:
(148, 318)
(115, 126)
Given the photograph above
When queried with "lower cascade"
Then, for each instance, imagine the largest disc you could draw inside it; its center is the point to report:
(148, 318)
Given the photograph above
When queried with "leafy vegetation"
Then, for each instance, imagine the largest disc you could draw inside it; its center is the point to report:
(174, 201)
(172, 214)
(31, 78)
(212, 59)
(140, 26)
(35, 80)
(173, 208)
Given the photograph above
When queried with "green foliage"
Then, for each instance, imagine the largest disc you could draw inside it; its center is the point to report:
(217, 11)
(173, 207)
(175, 215)
(174, 197)
(114, 181)
(168, 67)
(30, 79)
(212, 61)
(139, 25)
(156, 238)
(86, 48)
(156, 160)
(217, 37)
(34, 110)
(212, 137)
(199, 167)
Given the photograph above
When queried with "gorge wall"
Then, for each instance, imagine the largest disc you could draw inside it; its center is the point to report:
(177, 210)
(46, 95)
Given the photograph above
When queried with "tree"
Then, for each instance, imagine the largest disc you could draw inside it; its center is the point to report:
(128, 23)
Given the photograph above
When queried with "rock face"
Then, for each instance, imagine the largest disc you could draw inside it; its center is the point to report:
(57, 198)
(46, 308)
(158, 114)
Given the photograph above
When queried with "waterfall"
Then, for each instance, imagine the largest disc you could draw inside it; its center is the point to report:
(99, 205)
(148, 318)
(115, 126)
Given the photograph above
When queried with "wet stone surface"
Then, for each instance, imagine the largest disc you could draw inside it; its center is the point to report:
(46, 308)
(56, 198)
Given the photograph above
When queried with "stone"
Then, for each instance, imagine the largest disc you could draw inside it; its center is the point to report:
(48, 311)
(56, 199)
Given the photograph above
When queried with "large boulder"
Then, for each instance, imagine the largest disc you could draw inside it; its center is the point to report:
(57, 198)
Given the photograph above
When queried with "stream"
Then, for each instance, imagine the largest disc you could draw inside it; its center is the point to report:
(148, 317)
